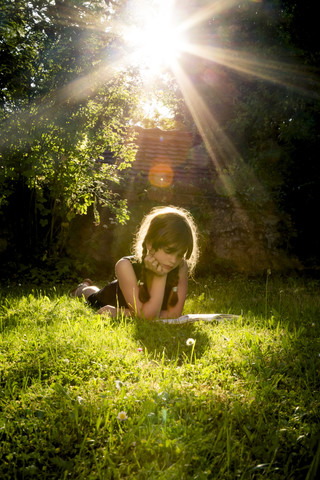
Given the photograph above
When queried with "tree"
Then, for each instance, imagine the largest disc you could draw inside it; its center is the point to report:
(257, 74)
(275, 118)
(63, 103)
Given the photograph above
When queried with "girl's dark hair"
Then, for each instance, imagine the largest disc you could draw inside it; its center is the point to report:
(167, 227)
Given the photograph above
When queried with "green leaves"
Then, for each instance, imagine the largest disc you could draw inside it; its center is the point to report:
(63, 106)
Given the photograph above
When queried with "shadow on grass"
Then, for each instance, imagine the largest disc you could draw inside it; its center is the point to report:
(170, 341)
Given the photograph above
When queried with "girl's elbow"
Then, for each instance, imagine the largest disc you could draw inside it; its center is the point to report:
(140, 313)
(150, 318)
(147, 314)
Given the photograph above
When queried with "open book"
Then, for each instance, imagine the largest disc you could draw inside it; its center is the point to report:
(194, 317)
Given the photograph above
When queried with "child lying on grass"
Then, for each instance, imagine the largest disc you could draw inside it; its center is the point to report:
(153, 282)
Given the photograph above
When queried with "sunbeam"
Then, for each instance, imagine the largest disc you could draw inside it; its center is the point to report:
(281, 73)
(221, 150)
(218, 146)
(208, 11)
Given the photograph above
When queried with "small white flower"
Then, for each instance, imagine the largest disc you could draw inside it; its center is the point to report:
(80, 400)
(122, 416)
(119, 384)
(190, 341)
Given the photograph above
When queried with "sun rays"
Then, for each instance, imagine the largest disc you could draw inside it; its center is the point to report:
(162, 42)
(155, 37)
(285, 74)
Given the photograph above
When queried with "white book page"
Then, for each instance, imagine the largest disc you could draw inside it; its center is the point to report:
(194, 317)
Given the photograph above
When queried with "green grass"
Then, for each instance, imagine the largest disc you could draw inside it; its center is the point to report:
(241, 403)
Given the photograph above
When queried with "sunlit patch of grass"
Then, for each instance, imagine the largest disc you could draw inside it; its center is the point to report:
(90, 396)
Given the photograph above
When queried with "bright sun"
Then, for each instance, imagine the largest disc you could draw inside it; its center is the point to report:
(154, 39)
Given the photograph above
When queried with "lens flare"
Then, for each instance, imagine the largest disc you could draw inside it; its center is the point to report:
(161, 175)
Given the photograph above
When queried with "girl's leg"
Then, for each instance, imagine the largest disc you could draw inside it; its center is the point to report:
(87, 291)
(85, 288)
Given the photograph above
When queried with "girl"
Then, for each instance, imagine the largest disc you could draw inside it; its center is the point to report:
(152, 283)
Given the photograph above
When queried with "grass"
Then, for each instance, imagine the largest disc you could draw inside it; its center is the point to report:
(242, 402)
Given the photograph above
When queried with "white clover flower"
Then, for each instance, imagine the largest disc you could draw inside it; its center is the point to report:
(119, 384)
(190, 341)
(122, 416)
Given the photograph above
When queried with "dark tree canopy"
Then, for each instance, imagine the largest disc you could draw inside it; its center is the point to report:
(260, 85)
(63, 103)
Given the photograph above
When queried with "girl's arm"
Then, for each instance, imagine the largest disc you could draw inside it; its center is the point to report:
(130, 289)
(176, 310)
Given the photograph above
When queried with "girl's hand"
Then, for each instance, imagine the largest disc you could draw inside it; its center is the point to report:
(153, 265)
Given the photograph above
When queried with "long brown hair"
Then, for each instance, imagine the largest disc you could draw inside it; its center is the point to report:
(172, 227)
(167, 227)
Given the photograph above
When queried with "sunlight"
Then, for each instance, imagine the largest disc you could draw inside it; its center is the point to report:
(285, 74)
(217, 144)
(155, 40)
(220, 148)
(156, 108)
(154, 113)
(157, 46)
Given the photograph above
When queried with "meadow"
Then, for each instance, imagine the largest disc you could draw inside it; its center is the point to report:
(89, 397)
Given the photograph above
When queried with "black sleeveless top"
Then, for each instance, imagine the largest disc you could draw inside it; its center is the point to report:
(112, 294)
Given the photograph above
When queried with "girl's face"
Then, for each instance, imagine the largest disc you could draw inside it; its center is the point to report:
(168, 257)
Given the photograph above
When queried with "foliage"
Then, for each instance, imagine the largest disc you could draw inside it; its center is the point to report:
(240, 402)
(267, 106)
(63, 105)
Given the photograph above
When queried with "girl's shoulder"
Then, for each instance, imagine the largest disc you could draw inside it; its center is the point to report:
(128, 260)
